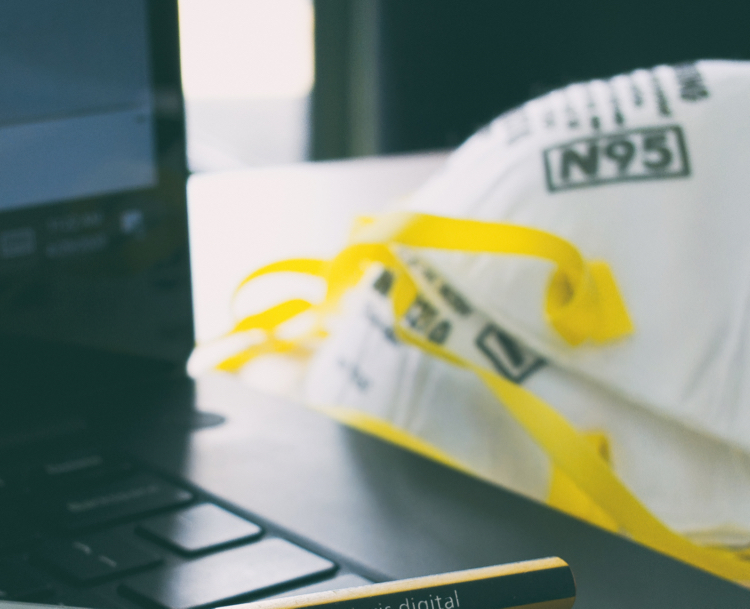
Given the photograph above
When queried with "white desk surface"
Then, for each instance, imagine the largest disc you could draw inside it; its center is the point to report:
(243, 219)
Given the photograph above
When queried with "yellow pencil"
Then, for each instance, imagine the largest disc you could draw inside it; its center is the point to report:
(546, 583)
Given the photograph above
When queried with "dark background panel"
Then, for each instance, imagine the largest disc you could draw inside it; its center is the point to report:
(403, 75)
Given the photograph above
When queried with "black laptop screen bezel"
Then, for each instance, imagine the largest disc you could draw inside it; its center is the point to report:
(40, 371)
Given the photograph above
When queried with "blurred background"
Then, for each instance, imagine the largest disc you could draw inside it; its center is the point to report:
(247, 74)
(277, 81)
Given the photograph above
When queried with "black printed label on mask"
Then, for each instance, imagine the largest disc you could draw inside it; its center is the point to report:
(509, 357)
(637, 154)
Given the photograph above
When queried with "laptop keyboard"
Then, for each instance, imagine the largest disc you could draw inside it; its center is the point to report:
(90, 529)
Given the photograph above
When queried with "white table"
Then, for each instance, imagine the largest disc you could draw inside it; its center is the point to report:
(241, 220)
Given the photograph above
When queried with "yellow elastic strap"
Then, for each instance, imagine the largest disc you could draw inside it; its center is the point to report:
(579, 460)
(566, 496)
(308, 266)
(272, 317)
(268, 320)
(341, 273)
(574, 455)
(583, 301)
(582, 298)
(270, 345)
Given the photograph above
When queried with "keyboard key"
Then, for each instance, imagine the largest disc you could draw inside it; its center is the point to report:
(199, 528)
(121, 499)
(20, 582)
(90, 558)
(82, 467)
(221, 578)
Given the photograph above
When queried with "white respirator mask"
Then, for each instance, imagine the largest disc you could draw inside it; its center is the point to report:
(648, 175)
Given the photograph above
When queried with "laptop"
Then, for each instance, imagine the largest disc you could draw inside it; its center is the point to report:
(126, 485)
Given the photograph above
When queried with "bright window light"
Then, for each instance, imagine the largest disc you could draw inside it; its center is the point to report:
(240, 49)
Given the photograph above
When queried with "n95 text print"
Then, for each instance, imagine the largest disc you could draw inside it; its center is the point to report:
(638, 154)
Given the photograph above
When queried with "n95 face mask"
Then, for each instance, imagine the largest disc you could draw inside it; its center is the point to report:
(648, 171)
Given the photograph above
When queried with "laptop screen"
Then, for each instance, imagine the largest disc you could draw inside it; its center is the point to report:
(93, 226)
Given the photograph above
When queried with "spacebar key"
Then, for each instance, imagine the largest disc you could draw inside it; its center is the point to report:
(224, 577)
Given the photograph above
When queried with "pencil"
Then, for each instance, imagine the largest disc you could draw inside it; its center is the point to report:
(546, 583)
